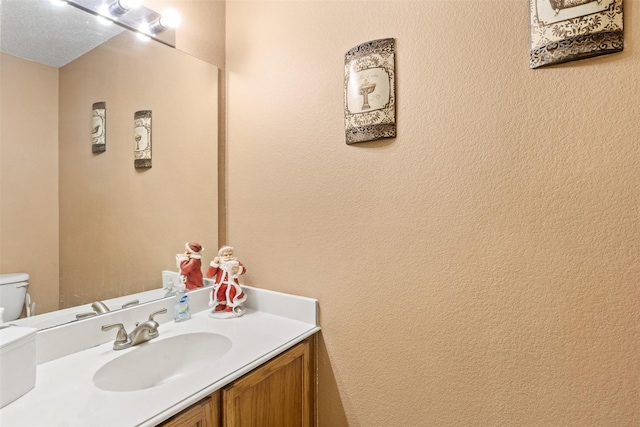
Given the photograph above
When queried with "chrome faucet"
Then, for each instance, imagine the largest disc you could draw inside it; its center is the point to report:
(146, 330)
(99, 307)
(143, 332)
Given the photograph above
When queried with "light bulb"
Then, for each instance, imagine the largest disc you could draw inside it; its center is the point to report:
(143, 31)
(120, 7)
(103, 15)
(170, 19)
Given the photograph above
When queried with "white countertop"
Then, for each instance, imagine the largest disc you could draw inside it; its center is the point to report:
(65, 395)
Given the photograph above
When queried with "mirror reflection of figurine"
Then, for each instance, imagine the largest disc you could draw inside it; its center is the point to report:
(190, 266)
(227, 294)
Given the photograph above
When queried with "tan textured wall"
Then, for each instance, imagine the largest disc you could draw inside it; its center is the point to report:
(121, 226)
(29, 176)
(482, 267)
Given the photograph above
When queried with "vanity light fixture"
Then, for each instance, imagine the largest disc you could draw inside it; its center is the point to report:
(169, 19)
(120, 7)
(132, 14)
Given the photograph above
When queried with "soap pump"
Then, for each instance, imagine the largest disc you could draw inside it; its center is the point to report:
(181, 310)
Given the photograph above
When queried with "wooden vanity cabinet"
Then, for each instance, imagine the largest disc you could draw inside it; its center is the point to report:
(280, 393)
(205, 413)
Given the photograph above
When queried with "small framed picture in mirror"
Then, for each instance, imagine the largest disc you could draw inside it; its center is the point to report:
(370, 91)
(99, 127)
(142, 139)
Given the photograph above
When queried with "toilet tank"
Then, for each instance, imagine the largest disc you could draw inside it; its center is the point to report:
(13, 290)
(17, 362)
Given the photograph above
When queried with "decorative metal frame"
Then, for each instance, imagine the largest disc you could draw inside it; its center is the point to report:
(569, 30)
(99, 127)
(370, 91)
(142, 139)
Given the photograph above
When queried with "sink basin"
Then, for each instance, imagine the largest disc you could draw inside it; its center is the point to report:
(157, 362)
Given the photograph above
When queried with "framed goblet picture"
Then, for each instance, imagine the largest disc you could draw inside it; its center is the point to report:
(142, 139)
(569, 30)
(99, 127)
(370, 91)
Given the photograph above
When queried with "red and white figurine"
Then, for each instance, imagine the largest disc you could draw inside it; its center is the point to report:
(190, 266)
(227, 295)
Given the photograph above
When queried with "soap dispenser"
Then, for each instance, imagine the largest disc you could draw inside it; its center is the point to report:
(181, 310)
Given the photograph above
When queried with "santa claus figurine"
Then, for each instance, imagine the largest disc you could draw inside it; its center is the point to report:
(190, 265)
(227, 295)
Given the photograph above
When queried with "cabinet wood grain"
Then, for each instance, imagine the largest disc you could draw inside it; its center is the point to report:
(280, 393)
(205, 413)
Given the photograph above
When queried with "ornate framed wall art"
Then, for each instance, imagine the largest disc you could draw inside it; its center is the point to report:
(370, 91)
(99, 127)
(142, 139)
(568, 30)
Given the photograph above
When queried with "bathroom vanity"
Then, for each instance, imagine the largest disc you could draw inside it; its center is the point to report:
(203, 371)
(279, 393)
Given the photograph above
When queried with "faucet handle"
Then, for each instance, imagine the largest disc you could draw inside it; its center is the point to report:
(155, 313)
(99, 307)
(80, 316)
(121, 337)
(131, 303)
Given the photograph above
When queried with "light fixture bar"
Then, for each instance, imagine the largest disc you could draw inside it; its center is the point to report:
(119, 7)
(133, 18)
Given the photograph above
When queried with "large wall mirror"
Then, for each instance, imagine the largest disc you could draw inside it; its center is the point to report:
(90, 226)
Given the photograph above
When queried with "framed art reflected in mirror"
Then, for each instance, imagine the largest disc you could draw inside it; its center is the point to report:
(142, 138)
(99, 127)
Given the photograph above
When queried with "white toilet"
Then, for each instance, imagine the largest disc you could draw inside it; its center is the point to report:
(13, 290)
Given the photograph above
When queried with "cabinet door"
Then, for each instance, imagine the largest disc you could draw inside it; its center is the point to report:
(280, 393)
(205, 413)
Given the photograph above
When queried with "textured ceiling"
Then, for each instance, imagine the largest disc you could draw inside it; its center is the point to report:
(40, 31)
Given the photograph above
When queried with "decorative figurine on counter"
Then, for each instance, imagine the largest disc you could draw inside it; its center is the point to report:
(227, 294)
(190, 264)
